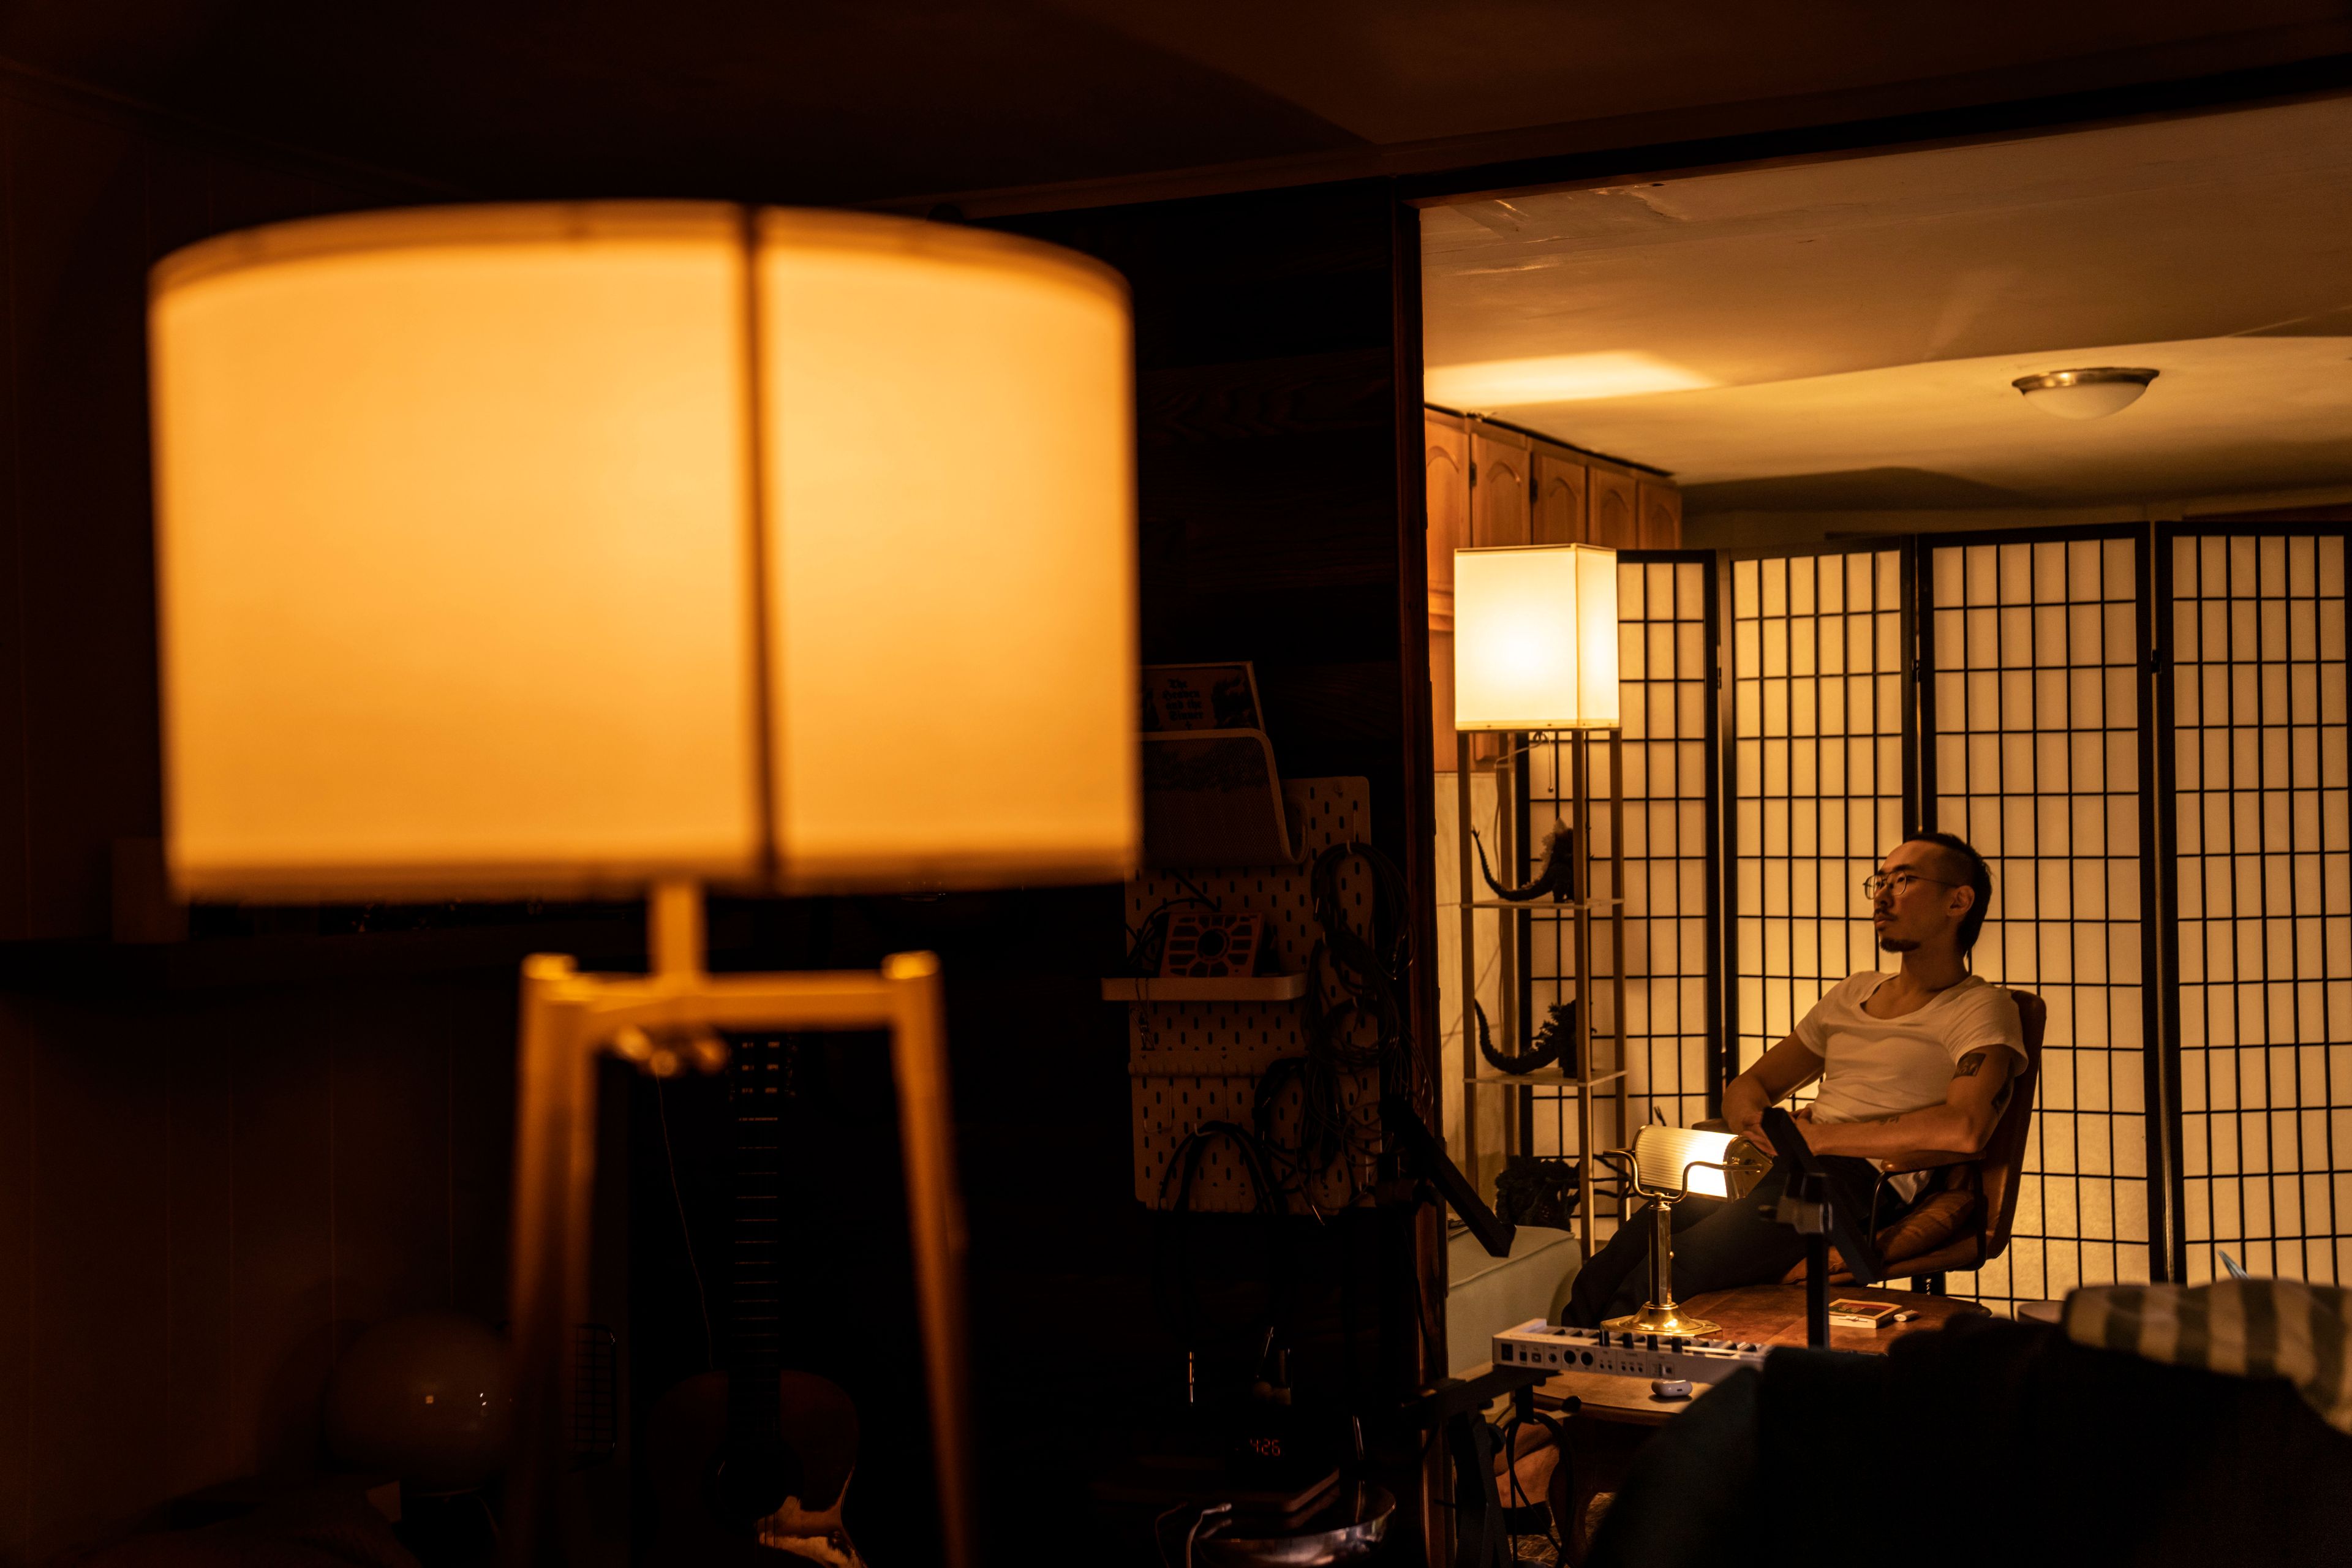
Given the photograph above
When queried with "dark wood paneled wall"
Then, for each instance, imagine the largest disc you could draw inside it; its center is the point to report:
(205, 1185)
(208, 1190)
(1267, 366)
(1277, 346)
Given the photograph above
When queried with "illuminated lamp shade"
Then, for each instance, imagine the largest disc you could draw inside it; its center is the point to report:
(1535, 638)
(1680, 1160)
(556, 550)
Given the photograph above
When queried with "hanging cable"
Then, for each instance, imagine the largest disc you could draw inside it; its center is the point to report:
(1174, 1282)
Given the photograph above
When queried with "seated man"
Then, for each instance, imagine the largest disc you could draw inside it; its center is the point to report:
(1915, 1068)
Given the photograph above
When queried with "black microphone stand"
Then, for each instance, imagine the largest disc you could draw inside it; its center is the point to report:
(1806, 1206)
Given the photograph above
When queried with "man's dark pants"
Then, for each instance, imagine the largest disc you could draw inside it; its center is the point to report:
(1719, 1243)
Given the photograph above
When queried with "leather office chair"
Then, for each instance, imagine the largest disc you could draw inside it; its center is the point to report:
(1962, 1219)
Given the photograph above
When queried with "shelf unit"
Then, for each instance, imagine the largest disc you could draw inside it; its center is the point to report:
(1198, 1046)
(1192, 988)
(1587, 973)
(1551, 1075)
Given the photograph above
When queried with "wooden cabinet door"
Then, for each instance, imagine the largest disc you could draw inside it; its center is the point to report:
(1559, 500)
(1501, 488)
(1662, 517)
(1446, 474)
(1610, 509)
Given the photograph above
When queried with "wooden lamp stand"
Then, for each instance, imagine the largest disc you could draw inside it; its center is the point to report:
(665, 1020)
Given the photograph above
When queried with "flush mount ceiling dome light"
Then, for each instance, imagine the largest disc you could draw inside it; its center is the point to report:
(2084, 394)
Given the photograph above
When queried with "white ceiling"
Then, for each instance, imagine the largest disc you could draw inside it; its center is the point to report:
(1844, 332)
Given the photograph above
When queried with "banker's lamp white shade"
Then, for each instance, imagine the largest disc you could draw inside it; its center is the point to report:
(555, 549)
(1535, 638)
(1669, 1159)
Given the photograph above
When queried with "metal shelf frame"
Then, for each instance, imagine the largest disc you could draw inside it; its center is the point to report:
(1514, 944)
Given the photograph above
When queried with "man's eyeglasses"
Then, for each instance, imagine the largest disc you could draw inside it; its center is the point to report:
(1898, 883)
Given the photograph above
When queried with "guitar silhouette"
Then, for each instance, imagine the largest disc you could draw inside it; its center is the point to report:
(752, 1464)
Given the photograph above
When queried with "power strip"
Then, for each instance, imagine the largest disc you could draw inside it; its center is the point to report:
(1622, 1353)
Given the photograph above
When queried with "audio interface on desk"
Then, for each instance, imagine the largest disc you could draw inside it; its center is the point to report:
(1622, 1353)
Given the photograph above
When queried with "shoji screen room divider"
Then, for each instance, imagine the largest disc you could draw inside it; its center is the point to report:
(1820, 711)
(2258, 877)
(2034, 738)
(2144, 730)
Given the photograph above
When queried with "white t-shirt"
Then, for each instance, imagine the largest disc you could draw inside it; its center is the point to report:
(1884, 1066)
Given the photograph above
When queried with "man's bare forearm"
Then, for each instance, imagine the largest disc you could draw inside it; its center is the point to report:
(1943, 1128)
(1744, 1100)
(1786, 1066)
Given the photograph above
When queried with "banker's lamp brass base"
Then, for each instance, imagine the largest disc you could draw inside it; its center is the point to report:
(1658, 1167)
(1661, 1314)
(1666, 1320)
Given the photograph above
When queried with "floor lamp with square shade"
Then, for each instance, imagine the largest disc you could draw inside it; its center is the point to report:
(624, 549)
(1535, 652)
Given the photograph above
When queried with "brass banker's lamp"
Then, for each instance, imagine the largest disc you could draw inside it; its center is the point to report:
(1665, 1165)
(616, 549)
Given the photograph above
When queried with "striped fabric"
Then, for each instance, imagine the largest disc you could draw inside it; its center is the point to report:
(2248, 1327)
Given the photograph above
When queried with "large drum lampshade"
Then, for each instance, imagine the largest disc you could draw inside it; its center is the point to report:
(555, 549)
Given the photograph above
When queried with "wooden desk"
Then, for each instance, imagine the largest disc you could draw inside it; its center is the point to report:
(1616, 1415)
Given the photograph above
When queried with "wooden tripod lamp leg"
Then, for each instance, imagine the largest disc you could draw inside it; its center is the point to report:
(935, 1226)
(554, 1171)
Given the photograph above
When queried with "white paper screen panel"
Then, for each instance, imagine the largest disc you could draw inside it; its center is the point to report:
(1663, 746)
(2031, 752)
(1818, 678)
(2263, 891)
(1663, 684)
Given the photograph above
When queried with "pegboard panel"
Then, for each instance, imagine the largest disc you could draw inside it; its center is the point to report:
(1190, 1062)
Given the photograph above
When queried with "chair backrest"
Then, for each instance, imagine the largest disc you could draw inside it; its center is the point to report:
(2000, 1167)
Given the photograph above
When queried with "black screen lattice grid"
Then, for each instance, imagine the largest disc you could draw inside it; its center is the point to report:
(1820, 717)
(2261, 886)
(1664, 670)
(2032, 726)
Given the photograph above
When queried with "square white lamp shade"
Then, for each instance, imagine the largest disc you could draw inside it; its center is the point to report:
(555, 549)
(1535, 638)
